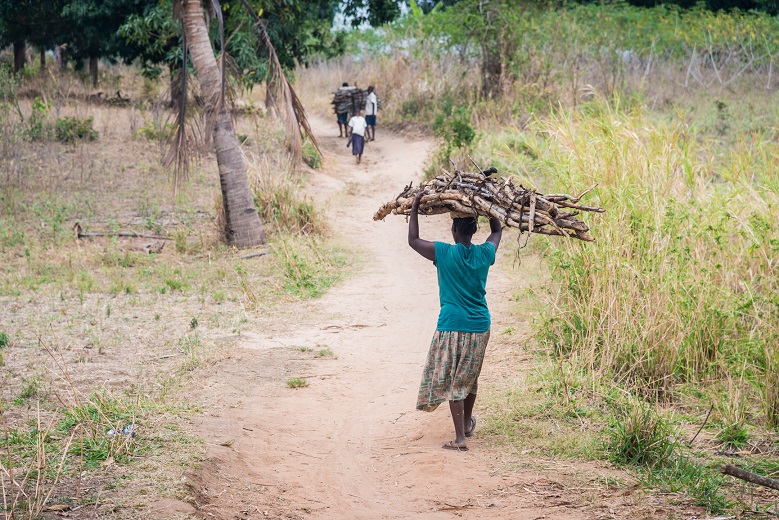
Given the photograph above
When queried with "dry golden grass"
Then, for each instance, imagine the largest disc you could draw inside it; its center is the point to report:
(100, 316)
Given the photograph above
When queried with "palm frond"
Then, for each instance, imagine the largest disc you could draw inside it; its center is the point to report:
(190, 122)
(177, 155)
(295, 118)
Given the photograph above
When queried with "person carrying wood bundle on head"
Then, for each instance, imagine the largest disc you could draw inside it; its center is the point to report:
(357, 127)
(456, 353)
(343, 118)
(371, 109)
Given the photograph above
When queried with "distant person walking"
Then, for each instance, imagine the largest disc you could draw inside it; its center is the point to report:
(342, 118)
(357, 126)
(371, 109)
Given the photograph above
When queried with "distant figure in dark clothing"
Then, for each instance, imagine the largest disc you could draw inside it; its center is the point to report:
(343, 118)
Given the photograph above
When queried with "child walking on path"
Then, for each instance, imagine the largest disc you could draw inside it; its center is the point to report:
(357, 125)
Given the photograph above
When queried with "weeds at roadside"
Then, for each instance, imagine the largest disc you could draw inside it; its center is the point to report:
(309, 269)
(640, 437)
(325, 353)
(276, 195)
(297, 382)
(310, 156)
(71, 437)
(191, 346)
(29, 389)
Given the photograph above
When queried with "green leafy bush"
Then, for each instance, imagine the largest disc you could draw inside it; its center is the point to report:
(311, 156)
(70, 129)
(453, 125)
(36, 123)
(155, 132)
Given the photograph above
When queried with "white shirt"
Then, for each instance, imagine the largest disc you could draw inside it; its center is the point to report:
(371, 105)
(358, 125)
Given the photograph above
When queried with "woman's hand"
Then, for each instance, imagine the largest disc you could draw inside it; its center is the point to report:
(421, 193)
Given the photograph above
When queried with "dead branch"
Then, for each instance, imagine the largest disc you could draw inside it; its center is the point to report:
(128, 234)
(258, 253)
(478, 193)
(752, 478)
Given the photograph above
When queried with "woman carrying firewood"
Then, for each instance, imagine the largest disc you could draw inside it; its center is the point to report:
(454, 361)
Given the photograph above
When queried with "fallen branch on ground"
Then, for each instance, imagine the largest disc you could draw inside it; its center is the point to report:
(258, 253)
(131, 234)
(470, 193)
(753, 478)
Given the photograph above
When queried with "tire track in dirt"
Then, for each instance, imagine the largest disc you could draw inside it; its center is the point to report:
(350, 445)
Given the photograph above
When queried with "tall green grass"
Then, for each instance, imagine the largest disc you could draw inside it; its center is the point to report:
(681, 284)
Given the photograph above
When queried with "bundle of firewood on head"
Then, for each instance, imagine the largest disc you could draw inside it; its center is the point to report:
(349, 99)
(469, 193)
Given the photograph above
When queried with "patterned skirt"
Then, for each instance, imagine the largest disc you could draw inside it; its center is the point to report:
(452, 368)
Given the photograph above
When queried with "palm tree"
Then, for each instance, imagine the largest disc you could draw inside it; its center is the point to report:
(244, 228)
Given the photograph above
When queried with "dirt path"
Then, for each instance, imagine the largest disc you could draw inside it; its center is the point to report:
(350, 445)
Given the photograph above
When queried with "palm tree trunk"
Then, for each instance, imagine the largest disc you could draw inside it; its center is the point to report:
(244, 228)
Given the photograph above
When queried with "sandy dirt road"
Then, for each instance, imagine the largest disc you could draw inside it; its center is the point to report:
(350, 445)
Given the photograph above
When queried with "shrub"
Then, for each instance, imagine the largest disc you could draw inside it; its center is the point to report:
(70, 129)
(735, 435)
(640, 438)
(279, 202)
(311, 156)
(155, 131)
(453, 125)
(36, 123)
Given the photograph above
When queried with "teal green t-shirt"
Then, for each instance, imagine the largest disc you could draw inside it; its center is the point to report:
(462, 280)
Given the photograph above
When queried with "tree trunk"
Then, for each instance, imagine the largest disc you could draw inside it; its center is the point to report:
(491, 59)
(43, 59)
(20, 55)
(93, 71)
(244, 228)
(60, 55)
(492, 72)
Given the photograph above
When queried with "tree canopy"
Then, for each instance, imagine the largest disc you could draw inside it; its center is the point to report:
(144, 30)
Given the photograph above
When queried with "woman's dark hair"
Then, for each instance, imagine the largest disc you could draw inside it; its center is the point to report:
(464, 226)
